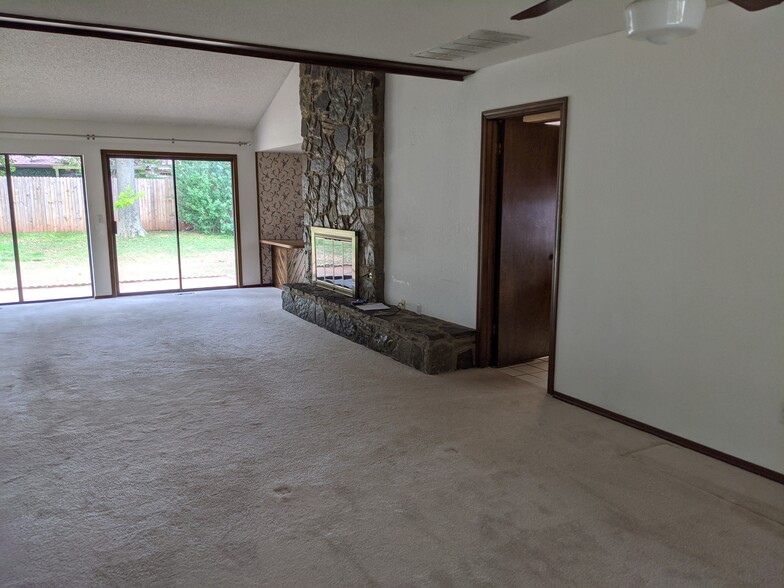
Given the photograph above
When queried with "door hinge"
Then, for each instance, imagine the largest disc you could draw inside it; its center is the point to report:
(495, 329)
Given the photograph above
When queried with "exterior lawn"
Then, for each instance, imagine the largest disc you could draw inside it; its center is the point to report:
(63, 258)
(68, 248)
(155, 256)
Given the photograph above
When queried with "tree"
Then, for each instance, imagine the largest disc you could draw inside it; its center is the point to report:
(129, 217)
(70, 164)
(2, 167)
(204, 196)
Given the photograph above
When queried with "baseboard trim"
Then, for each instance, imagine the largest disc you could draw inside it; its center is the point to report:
(102, 296)
(672, 438)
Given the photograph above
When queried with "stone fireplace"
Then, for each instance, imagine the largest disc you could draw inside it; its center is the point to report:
(343, 182)
(342, 189)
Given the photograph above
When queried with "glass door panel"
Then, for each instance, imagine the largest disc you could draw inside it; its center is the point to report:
(144, 209)
(51, 226)
(205, 208)
(9, 291)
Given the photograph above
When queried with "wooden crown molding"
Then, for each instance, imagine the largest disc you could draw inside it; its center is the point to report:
(164, 39)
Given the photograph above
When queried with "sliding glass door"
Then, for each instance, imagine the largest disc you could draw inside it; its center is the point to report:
(44, 244)
(9, 283)
(174, 222)
(145, 221)
(205, 209)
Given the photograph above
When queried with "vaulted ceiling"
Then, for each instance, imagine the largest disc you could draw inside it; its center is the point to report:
(58, 76)
(55, 75)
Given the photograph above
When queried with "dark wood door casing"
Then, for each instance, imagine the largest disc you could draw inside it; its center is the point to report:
(489, 224)
(526, 241)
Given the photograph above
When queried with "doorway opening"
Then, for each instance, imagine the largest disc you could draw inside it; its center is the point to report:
(173, 221)
(44, 239)
(523, 149)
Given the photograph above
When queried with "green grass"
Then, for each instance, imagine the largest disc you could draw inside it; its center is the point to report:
(51, 258)
(158, 243)
(70, 247)
(49, 247)
(155, 256)
(45, 259)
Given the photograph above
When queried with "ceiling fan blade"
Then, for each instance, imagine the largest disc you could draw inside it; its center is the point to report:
(543, 8)
(754, 5)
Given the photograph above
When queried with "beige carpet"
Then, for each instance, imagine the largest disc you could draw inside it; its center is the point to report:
(211, 439)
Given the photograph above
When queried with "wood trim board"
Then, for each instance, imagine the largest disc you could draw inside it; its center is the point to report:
(673, 438)
(165, 39)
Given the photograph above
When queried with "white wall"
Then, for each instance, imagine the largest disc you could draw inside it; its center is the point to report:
(91, 152)
(280, 128)
(672, 277)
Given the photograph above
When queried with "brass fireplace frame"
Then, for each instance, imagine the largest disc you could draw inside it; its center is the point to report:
(345, 284)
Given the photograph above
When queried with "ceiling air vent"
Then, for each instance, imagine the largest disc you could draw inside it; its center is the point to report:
(468, 46)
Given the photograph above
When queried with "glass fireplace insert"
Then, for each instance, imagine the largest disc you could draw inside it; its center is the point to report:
(334, 259)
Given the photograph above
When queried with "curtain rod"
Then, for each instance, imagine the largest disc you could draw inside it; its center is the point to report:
(90, 137)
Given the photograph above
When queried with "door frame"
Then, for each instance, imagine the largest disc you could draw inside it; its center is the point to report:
(489, 220)
(107, 154)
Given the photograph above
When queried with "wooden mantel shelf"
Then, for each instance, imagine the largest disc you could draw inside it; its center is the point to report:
(285, 243)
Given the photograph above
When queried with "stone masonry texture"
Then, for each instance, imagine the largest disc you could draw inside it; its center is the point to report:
(425, 343)
(343, 175)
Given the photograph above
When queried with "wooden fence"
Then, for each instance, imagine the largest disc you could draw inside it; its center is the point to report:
(43, 204)
(157, 204)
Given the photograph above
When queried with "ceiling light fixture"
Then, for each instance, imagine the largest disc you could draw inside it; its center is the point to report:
(663, 21)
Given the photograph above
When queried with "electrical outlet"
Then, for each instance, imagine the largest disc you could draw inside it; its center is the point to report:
(418, 309)
(402, 304)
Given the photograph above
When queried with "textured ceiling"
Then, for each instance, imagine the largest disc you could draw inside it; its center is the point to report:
(387, 29)
(56, 76)
(59, 76)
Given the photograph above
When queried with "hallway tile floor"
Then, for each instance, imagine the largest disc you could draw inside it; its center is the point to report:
(533, 372)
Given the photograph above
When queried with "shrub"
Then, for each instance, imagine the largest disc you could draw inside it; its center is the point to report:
(204, 194)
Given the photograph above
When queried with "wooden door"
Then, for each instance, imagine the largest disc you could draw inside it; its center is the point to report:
(528, 208)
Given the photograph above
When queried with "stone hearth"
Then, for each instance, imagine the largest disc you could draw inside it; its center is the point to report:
(425, 343)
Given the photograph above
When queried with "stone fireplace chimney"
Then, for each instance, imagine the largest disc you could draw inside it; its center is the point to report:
(343, 175)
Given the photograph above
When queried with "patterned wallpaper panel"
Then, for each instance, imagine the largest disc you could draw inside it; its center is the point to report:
(281, 208)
